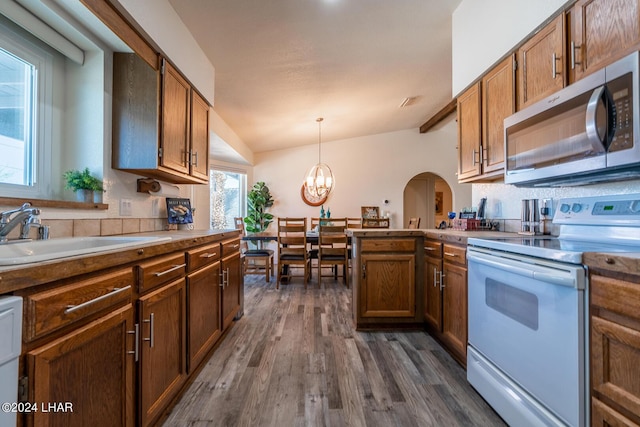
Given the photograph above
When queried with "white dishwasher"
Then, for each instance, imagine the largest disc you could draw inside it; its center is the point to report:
(11, 339)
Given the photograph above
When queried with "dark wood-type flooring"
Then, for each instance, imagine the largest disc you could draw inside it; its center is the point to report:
(294, 359)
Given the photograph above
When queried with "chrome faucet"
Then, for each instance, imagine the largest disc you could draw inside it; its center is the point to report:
(27, 217)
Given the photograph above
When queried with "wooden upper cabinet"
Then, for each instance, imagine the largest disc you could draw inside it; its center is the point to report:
(600, 32)
(469, 133)
(541, 63)
(160, 123)
(498, 103)
(199, 137)
(176, 107)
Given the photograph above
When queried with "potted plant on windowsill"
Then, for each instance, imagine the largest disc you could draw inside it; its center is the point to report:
(88, 188)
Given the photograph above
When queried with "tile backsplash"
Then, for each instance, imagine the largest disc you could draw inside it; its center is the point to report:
(98, 227)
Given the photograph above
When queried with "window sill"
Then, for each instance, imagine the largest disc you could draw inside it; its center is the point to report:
(42, 203)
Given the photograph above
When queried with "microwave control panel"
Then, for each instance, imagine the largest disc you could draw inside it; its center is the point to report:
(621, 92)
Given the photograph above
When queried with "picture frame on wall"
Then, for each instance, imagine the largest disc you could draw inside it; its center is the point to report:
(370, 212)
(439, 198)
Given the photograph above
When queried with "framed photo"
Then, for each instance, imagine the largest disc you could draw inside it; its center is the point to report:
(370, 212)
(438, 202)
(179, 211)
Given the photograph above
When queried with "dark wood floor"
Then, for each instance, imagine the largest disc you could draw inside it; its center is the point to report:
(294, 359)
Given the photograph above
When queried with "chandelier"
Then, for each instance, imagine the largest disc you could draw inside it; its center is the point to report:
(319, 180)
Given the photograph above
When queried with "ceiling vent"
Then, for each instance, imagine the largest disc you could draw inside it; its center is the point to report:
(408, 101)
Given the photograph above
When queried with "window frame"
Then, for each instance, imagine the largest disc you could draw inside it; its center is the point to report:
(43, 61)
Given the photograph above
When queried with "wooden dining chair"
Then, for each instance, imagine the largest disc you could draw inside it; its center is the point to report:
(333, 249)
(292, 249)
(414, 222)
(254, 261)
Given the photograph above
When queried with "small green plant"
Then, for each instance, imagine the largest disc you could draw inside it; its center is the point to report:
(258, 200)
(82, 180)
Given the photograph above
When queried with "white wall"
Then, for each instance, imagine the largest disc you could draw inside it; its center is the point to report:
(485, 30)
(367, 169)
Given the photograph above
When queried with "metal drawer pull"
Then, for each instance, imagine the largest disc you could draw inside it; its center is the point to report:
(151, 334)
(136, 347)
(236, 246)
(174, 268)
(227, 276)
(429, 248)
(72, 308)
(442, 276)
(208, 255)
(435, 277)
(222, 278)
(451, 254)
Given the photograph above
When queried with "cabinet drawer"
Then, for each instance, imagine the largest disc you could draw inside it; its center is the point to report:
(202, 256)
(388, 245)
(55, 308)
(230, 246)
(161, 270)
(455, 254)
(432, 249)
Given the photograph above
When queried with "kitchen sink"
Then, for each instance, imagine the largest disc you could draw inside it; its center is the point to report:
(30, 251)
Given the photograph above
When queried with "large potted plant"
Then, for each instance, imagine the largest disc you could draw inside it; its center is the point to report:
(258, 200)
(85, 185)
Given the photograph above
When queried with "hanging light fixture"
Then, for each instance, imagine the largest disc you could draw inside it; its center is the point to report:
(319, 180)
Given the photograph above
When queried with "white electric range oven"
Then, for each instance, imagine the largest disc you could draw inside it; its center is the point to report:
(528, 311)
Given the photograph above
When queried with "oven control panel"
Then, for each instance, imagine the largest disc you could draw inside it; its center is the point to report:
(614, 209)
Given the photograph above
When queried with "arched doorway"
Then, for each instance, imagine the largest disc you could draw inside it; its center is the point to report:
(428, 197)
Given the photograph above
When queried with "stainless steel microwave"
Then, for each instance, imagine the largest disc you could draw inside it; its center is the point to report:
(583, 134)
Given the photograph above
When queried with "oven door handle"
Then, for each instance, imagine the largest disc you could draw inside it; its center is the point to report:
(556, 277)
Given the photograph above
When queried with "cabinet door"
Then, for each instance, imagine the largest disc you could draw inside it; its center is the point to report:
(498, 103)
(205, 320)
(454, 309)
(92, 369)
(388, 285)
(615, 345)
(601, 31)
(162, 349)
(469, 133)
(432, 292)
(199, 159)
(540, 64)
(174, 141)
(232, 287)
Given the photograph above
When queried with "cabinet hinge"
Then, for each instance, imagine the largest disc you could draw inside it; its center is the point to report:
(160, 152)
(23, 389)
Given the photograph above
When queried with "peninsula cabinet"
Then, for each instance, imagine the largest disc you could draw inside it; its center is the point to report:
(614, 285)
(160, 123)
(445, 304)
(600, 32)
(541, 70)
(385, 274)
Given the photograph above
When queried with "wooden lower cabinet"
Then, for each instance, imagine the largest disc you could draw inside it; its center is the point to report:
(615, 348)
(205, 318)
(454, 309)
(386, 279)
(231, 289)
(388, 285)
(445, 296)
(162, 366)
(91, 368)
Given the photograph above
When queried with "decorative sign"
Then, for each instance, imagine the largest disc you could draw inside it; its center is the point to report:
(179, 211)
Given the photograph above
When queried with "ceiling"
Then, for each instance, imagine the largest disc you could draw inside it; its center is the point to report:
(281, 64)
